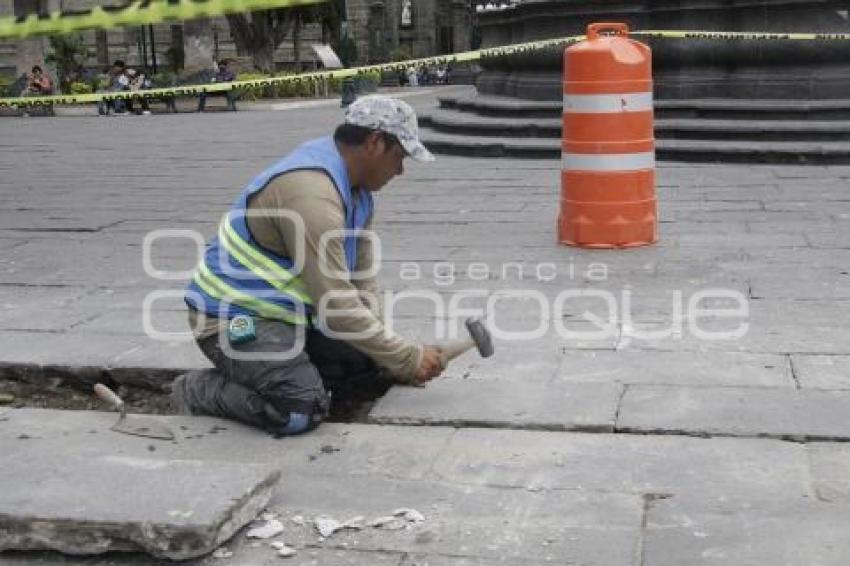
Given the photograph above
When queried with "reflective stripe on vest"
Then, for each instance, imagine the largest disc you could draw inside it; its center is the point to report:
(221, 291)
(261, 266)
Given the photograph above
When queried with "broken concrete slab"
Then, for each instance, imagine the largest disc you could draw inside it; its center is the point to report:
(53, 558)
(736, 411)
(175, 509)
(712, 469)
(500, 403)
(677, 368)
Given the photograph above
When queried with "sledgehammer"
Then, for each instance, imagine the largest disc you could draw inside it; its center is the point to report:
(479, 337)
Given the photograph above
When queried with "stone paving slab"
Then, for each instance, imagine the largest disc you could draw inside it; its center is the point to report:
(731, 411)
(66, 350)
(772, 326)
(393, 452)
(822, 372)
(489, 496)
(432, 560)
(829, 463)
(487, 523)
(492, 403)
(532, 361)
(53, 558)
(714, 470)
(383, 468)
(796, 533)
(677, 368)
(174, 509)
(814, 284)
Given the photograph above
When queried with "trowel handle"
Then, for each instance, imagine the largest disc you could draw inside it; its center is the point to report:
(106, 394)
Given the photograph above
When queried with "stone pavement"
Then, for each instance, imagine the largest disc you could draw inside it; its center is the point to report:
(683, 403)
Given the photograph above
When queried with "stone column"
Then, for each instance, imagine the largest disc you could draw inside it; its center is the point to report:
(461, 25)
(425, 26)
(198, 46)
(30, 51)
(377, 32)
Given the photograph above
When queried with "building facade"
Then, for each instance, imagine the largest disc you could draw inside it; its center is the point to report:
(379, 30)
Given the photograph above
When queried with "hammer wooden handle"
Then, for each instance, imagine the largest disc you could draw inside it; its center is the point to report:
(451, 350)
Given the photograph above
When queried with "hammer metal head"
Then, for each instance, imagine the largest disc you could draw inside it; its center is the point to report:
(481, 336)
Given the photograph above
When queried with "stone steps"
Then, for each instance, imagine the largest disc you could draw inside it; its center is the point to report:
(732, 151)
(719, 108)
(453, 121)
(711, 108)
(705, 130)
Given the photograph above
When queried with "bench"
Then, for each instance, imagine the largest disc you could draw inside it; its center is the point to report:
(195, 79)
(17, 89)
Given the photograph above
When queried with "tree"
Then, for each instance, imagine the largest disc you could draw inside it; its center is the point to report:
(68, 53)
(259, 33)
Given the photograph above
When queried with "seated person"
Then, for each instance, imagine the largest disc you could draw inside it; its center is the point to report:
(116, 81)
(38, 83)
(136, 82)
(223, 75)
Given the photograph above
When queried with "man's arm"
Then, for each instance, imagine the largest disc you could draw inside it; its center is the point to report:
(312, 196)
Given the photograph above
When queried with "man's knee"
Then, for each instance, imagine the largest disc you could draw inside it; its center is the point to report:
(294, 423)
(208, 392)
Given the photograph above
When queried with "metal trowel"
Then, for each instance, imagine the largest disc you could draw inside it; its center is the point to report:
(137, 426)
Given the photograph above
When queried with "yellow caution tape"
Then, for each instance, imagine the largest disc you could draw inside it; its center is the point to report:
(466, 56)
(742, 35)
(306, 78)
(134, 13)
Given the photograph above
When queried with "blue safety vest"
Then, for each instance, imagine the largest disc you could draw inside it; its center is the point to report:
(238, 276)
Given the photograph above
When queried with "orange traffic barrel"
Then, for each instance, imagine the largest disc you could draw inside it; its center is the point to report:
(608, 149)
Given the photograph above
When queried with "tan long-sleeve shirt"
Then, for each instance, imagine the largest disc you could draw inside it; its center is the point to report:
(313, 196)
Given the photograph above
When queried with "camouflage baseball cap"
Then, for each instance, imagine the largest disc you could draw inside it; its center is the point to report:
(392, 116)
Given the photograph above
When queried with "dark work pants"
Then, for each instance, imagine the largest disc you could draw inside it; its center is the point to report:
(266, 389)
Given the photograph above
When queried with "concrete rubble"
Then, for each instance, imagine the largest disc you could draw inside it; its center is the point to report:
(271, 528)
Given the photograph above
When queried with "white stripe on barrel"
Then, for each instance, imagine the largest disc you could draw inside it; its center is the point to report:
(607, 103)
(608, 161)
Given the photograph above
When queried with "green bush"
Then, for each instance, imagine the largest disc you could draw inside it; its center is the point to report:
(5, 83)
(163, 79)
(252, 93)
(292, 88)
(79, 87)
